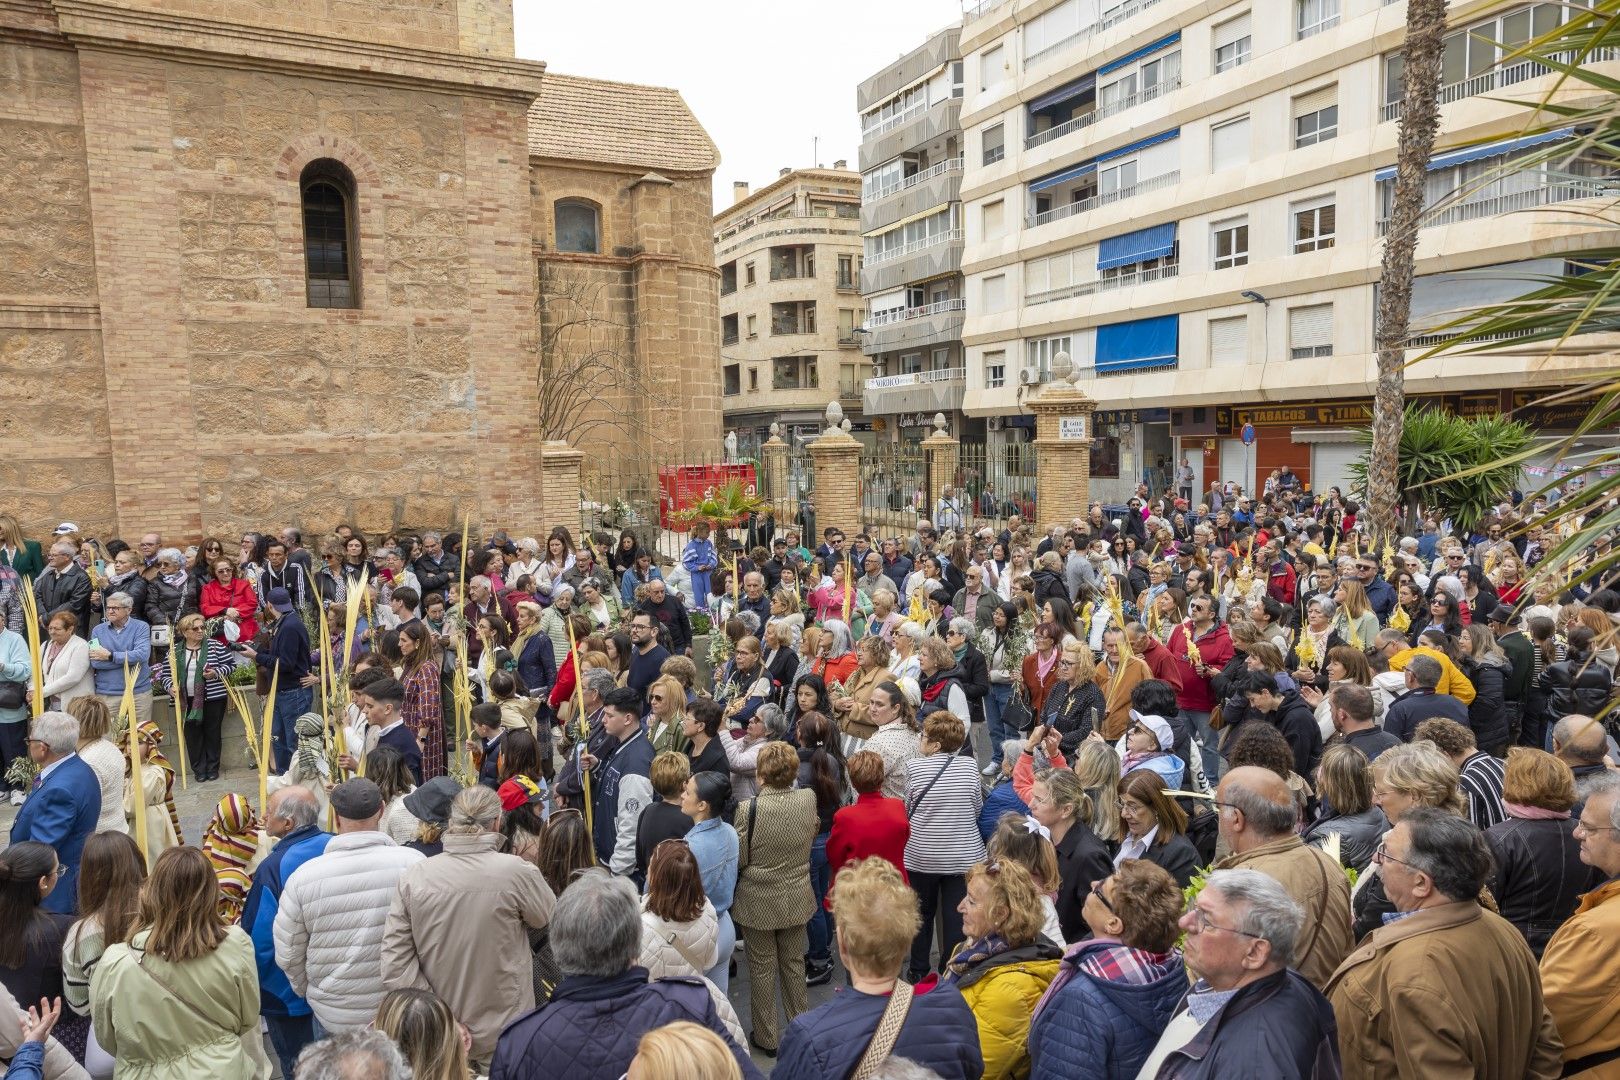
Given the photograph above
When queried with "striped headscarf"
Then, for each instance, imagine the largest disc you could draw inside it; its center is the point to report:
(230, 843)
(151, 737)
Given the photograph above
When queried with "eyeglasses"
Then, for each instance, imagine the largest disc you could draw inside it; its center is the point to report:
(1581, 825)
(655, 697)
(1382, 855)
(1202, 925)
(1102, 897)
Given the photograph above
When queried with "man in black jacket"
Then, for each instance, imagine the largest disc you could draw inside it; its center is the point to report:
(1421, 701)
(287, 660)
(671, 613)
(1504, 623)
(1286, 711)
(63, 586)
(434, 569)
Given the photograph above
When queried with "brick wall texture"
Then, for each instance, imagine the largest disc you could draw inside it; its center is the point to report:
(159, 367)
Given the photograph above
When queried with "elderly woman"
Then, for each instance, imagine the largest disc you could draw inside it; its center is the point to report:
(714, 845)
(1004, 964)
(1155, 827)
(904, 664)
(1344, 782)
(203, 664)
(744, 685)
(837, 659)
(941, 682)
(884, 618)
(230, 598)
(166, 591)
(65, 663)
(1061, 806)
(124, 576)
(774, 901)
(1539, 876)
(105, 759)
(602, 608)
(850, 703)
(943, 795)
(767, 724)
(1404, 777)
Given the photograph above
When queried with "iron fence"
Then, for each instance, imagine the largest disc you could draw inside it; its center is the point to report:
(894, 485)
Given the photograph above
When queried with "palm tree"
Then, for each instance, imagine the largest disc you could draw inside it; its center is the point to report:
(1420, 118)
(1464, 464)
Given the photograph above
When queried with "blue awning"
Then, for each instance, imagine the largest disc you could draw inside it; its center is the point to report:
(1152, 140)
(1146, 50)
(1144, 343)
(1058, 178)
(1063, 93)
(1139, 246)
(1475, 153)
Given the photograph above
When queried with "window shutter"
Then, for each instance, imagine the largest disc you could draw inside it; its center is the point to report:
(1229, 144)
(994, 295)
(1310, 327)
(1316, 100)
(1232, 30)
(1229, 340)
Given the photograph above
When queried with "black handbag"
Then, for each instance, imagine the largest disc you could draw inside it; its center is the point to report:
(13, 695)
(1017, 714)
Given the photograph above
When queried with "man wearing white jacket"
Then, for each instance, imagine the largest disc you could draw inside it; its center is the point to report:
(329, 930)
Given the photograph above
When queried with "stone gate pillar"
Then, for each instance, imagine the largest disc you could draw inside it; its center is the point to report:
(559, 486)
(1063, 438)
(773, 463)
(837, 460)
(942, 455)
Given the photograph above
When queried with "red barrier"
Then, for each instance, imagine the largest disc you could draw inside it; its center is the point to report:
(683, 487)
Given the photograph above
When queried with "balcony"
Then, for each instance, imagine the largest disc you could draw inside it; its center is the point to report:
(920, 128)
(920, 391)
(1119, 15)
(1497, 78)
(930, 324)
(847, 283)
(1141, 187)
(933, 186)
(849, 335)
(1108, 284)
(1566, 190)
(916, 261)
(907, 250)
(1085, 120)
(982, 8)
(728, 338)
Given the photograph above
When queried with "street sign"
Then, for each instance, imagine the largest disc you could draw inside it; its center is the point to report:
(1071, 427)
(1248, 435)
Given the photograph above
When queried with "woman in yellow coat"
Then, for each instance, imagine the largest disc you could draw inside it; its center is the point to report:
(157, 782)
(1005, 965)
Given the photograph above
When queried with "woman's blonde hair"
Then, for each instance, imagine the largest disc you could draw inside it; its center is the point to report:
(671, 686)
(876, 915)
(1067, 794)
(94, 718)
(186, 622)
(1096, 766)
(683, 1051)
(180, 906)
(1344, 780)
(1013, 841)
(778, 765)
(1085, 669)
(1355, 599)
(425, 1029)
(1012, 900)
(1421, 770)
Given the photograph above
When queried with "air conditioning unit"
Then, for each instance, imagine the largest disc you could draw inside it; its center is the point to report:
(877, 371)
(995, 423)
(1028, 377)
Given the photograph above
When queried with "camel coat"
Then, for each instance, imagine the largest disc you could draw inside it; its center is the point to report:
(1580, 978)
(1117, 694)
(1320, 887)
(857, 723)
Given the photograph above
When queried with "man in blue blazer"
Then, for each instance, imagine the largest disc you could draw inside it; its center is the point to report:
(63, 807)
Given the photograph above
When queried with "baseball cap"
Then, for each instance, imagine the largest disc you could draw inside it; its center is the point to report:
(357, 799)
(1159, 726)
(65, 527)
(280, 600)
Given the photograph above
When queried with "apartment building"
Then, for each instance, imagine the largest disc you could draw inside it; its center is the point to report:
(790, 306)
(911, 227)
(1189, 199)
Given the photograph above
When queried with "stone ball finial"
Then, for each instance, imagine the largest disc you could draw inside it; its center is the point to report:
(939, 423)
(835, 414)
(846, 425)
(776, 430)
(1063, 368)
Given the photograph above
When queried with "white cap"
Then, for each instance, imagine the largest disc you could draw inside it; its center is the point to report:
(65, 527)
(1159, 726)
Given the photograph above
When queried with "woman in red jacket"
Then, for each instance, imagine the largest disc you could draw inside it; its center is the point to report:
(871, 825)
(233, 599)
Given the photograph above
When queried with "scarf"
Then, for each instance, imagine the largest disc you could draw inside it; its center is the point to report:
(230, 840)
(523, 638)
(176, 580)
(150, 736)
(1043, 668)
(936, 685)
(1534, 813)
(973, 953)
(189, 668)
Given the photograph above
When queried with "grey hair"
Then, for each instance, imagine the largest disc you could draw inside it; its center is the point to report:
(1451, 586)
(750, 622)
(529, 544)
(600, 680)
(479, 579)
(1260, 812)
(1268, 912)
(388, 553)
(843, 642)
(1450, 849)
(430, 535)
(170, 554)
(63, 548)
(350, 1055)
(1568, 729)
(1603, 783)
(894, 598)
(596, 925)
(297, 806)
(963, 626)
(59, 731)
(562, 591)
(476, 810)
(1426, 671)
(899, 1068)
(1011, 750)
(775, 721)
(1323, 603)
(120, 599)
(912, 631)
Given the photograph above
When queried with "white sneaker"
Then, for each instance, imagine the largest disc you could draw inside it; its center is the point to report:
(18, 798)
(991, 769)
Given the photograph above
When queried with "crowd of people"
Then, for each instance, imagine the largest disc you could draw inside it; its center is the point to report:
(1178, 789)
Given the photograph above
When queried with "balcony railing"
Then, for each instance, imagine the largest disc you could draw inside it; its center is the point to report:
(1058, 46)
(790, 329)
(729, 338)
(1474, 209)
(899, 315)
(849, 391)
(847, 335)
(983, 7)
(847, 283)
(1496, 78)
(948, 165)
(1113, 18)
(1154, 183)
(1146, 94)
(728, 287)
(789, 273)
(904, 250)
(1118, 281)
(894, 121)
(917, 378)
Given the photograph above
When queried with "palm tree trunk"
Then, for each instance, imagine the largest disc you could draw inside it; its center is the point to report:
(1420, 117)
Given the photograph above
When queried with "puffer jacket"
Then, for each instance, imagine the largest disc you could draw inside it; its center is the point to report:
(677, 949)
(1003, 991)
(1539, 875)
(329, 930)
(1578, 684)
(1001, 799)
(590, 1027)
(827, 1042)
(1359, 835)
(1487, 713)
(1099, 1029)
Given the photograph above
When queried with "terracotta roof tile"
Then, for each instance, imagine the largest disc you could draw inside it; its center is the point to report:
(618, 123)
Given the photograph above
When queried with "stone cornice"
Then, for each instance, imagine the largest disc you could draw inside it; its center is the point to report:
(91, 24)
(623, 262)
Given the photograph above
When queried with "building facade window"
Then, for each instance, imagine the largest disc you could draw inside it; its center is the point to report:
(1314, 16)
(794, 373)
(327, 192)
(1040, 353)
(1230, 243)
(1229, 144)
(578, 227)
(1310, 331)
(1314, 226)
(994, 143)
(995, 369)
(748, 275)
(1232, 43)
(1316, 116)
(1228, 340)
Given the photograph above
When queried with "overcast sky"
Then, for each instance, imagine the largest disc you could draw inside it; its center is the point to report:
(764, 78)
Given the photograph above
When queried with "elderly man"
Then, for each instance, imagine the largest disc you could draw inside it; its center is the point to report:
(872, 577)
(568, 787)
(329, 929)
(1247, 1014)
(590, 1028)
(1581, 743)
(1421, 700)
(63, 586)
(291, 820)
(1580, 968)
(64, 805)
(975, 601)
(754, 598)
(669, 612)
(286, 662)
(353, 1055)
(1444, 988)
(1257, 821)
(460, 920)
(121, 643)
(434, 569)
(481, 601)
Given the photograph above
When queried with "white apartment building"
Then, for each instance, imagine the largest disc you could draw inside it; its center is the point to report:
(1189, 197)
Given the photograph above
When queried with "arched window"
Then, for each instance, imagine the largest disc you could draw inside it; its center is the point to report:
(331, 265)
(578, 227)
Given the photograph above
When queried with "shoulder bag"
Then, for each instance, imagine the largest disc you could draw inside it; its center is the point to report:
(887, 1032)
(252, 1044)
(911, 807)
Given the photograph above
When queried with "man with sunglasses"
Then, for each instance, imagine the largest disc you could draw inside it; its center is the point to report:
(1444, 987)
(1247, 1014)
(1380, 594)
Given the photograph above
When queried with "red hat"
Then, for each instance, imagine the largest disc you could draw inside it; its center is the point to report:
(518, 791)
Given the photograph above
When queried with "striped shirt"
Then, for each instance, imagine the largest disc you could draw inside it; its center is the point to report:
(1481, 777)
(944, 821)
